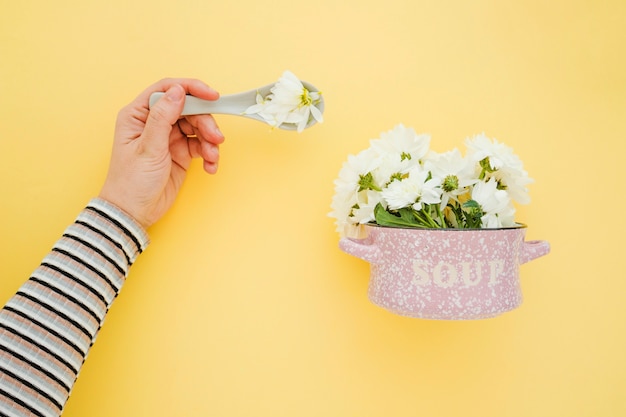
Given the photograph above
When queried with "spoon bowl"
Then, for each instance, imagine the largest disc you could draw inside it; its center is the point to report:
(237, 104)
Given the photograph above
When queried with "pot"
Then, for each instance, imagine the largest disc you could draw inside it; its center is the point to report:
(445, 274)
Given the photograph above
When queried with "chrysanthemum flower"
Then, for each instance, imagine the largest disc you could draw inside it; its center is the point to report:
(403, 142)
(498, 161)
(414, 191)
(453, 172)
(354, 178)
(495, 204)
(288, 102)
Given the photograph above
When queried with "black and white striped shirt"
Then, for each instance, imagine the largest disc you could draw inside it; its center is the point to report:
(49, 325)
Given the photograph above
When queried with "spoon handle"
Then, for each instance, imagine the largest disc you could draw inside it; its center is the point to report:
(234, 104)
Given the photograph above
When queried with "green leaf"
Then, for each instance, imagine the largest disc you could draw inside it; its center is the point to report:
(471, 204)
(472, 212)
(400, 218)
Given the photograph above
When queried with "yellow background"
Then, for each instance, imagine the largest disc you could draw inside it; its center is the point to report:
(243, 305)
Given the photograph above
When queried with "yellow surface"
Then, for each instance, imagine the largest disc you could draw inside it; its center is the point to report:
(243, 305)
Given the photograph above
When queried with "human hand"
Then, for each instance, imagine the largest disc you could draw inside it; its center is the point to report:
(153, 148)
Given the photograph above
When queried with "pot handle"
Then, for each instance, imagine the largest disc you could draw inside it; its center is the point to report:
(361, 248)
(533, 249)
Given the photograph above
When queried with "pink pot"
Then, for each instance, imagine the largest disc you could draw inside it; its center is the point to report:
(445, 274)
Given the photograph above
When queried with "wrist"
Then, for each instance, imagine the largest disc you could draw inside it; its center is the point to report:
(125, 216)
(123, 202)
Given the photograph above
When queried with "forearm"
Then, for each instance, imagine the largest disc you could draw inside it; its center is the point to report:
(48, 326)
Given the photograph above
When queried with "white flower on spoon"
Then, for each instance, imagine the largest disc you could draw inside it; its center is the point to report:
(288, 102)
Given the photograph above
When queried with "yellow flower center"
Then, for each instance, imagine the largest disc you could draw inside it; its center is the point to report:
(305, 98)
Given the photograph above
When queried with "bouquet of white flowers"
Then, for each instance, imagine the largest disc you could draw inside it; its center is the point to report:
(398, 181)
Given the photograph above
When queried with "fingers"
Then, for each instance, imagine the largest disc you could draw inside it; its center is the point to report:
(211, 157)
(164, 123)
(162, 116)
(191, 86)
(203, 126)
(186, 148)
(206, 143)
(197, 137)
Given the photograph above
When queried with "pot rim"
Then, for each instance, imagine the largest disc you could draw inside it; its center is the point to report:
(451, 229)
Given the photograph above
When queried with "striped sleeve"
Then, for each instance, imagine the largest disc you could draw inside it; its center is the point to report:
(48, 326)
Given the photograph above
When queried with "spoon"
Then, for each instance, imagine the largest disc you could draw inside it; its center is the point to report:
(236, 104)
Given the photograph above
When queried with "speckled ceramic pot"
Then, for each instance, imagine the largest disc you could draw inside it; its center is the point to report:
(445, 274)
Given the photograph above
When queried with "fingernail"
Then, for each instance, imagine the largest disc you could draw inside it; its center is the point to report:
(175, 93)
(210, 168)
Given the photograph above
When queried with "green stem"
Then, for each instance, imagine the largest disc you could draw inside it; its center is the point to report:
(442, 219)
(425, 218)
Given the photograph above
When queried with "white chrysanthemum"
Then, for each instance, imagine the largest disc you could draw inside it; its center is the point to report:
(399, 150)
(402, 141)
(453, 172)
(354, 172)
(391, 167)
(495, 204)
(354, 178)
(413, 191)
(367, 202)
(342, 206)
(288, 102)
(502, 164)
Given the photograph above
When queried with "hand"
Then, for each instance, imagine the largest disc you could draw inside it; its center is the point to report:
(153, 148)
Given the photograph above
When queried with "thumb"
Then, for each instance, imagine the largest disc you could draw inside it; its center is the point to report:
(162, 117)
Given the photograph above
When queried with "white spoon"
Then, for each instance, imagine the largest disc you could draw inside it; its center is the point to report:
(236, 104)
